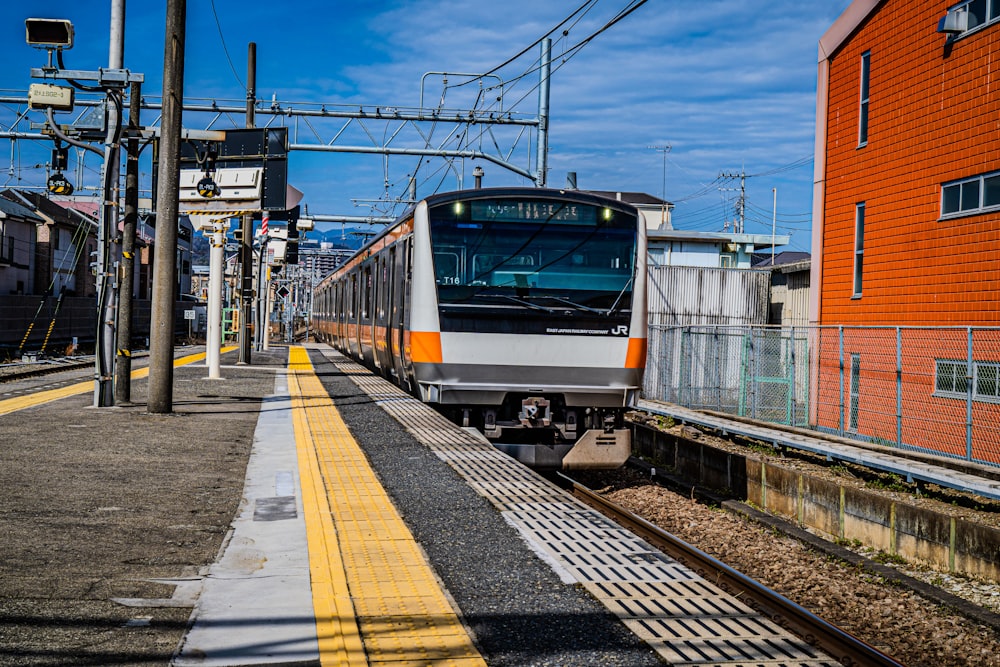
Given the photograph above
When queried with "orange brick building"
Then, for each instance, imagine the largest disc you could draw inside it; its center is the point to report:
(906, 223)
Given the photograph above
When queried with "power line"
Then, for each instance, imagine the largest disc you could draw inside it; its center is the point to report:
(224, 49)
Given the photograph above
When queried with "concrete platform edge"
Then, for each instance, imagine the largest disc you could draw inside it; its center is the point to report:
(256, 604)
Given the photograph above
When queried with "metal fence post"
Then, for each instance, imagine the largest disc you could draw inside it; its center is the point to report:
(969, 368)
(793, 385)
(899, 387)
(718, 369)
(840, 424)
(685, 369)
(754, 362)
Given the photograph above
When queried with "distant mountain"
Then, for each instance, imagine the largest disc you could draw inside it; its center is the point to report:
(349, 237)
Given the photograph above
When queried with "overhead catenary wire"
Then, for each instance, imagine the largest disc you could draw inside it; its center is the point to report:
(225, 50)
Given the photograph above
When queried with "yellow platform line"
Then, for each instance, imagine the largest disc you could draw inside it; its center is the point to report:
(376, 599)
(31, 400)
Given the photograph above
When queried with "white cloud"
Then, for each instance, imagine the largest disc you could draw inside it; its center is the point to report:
(729, 83)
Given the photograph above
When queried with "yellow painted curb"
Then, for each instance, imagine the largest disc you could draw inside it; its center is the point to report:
(31, 400)
(377, 600)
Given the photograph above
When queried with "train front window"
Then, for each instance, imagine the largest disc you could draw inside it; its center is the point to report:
(534, 253)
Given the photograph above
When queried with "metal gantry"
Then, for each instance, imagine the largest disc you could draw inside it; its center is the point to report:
(496, 137)
(483, 132)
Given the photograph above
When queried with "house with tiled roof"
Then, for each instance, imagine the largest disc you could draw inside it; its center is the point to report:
(64, 241)
(17, 247)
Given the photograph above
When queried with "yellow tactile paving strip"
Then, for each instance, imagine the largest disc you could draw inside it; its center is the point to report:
(377, 601)
(31, 400)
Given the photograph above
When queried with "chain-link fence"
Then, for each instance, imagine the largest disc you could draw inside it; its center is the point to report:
(933, 389)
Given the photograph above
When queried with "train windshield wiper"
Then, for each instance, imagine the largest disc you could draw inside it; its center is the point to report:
(522, 302)
(618, 300)
(574, 304)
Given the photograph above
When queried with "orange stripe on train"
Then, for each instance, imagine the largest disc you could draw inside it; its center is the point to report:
(425, 347)
(635, 357)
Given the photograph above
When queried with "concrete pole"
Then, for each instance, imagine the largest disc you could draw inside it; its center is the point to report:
(543, 113)
(265, 319)
(214, 335)
(161, 339)
(246, 246)
(104, 350)
(774, 222)
(123, 363)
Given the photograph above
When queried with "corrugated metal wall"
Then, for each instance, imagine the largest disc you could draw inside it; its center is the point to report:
(797, 299)
(696, 295)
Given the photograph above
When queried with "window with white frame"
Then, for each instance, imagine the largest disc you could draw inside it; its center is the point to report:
(951, 380)
(866, 59)
(859, 246)
(968, 196)
(979, 13)
(987, 381)
(855, 393)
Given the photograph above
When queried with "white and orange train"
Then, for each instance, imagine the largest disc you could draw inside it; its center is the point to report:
(518, 311)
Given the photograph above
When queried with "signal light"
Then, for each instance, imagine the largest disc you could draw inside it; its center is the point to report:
(49, 33)
(59, 158)
(292, 248)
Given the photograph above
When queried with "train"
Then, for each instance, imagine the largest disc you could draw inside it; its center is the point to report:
(520, 312)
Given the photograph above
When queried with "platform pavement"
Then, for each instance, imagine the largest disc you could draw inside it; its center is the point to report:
(255, 605)
(120, 521)
(112, 517)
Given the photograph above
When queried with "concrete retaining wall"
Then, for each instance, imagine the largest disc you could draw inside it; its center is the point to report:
(915, 533)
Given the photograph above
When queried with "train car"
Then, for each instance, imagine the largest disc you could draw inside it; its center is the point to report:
(517, 311)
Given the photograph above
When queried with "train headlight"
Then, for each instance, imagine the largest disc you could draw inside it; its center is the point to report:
(607, 214)
(458, 208)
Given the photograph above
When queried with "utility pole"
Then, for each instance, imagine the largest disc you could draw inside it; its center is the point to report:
(741, 203)
(774, 221)
(543, 113)
(161, 340)
(104, 350)
(665, 148)
(246, 244)
(123, 365)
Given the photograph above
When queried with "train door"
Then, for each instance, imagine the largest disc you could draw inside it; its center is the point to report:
(406, 280)
(379, 320)
(337, 315)
(354, 316)
(365, 328)
(394, 333)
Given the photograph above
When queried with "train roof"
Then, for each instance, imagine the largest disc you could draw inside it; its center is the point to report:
(582, 196)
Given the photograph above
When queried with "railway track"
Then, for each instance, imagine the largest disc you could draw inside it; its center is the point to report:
(14, 372)
(844, 647)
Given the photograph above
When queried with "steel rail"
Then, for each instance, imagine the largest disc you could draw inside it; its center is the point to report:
(840, 645)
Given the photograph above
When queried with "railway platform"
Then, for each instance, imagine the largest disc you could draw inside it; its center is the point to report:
(302, 511)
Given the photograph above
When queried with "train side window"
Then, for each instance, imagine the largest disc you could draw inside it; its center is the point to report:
(367, 295)
(351, 294)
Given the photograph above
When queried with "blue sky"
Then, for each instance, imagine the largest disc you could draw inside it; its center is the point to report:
(728, 84)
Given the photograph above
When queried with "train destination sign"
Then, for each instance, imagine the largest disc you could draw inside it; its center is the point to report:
(530, 210)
